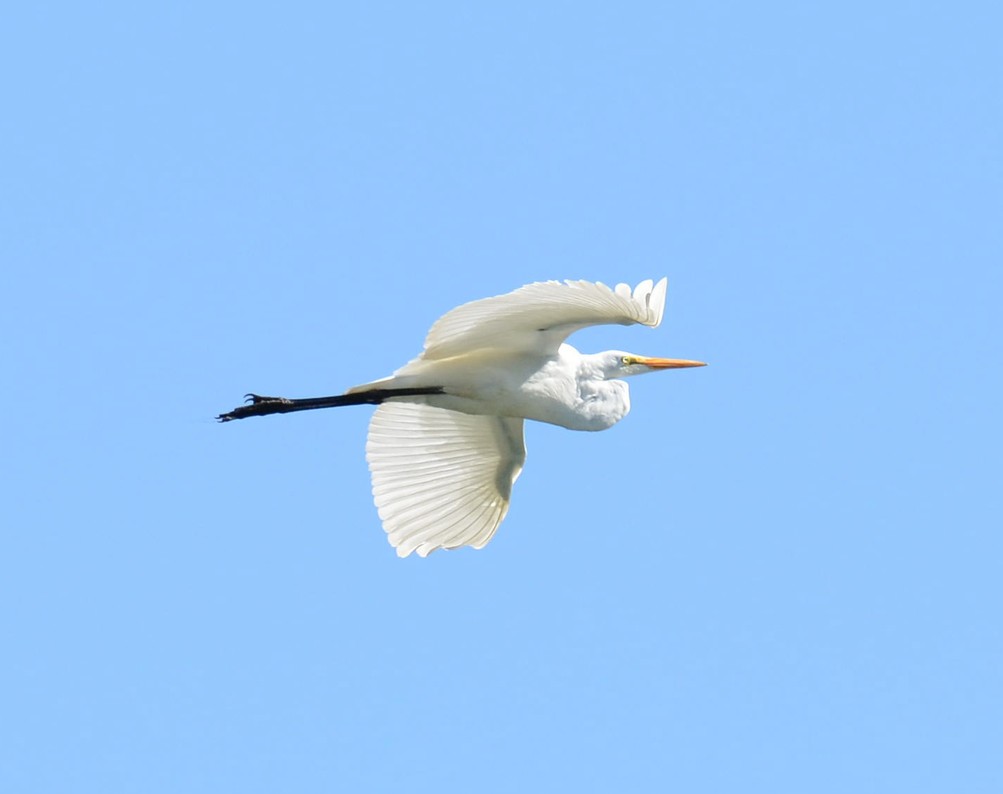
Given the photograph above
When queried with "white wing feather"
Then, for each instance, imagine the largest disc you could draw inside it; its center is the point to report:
(441, 479)
(539, 317)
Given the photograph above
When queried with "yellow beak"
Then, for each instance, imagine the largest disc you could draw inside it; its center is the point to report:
(667, 363)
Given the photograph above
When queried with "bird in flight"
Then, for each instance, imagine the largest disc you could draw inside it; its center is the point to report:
(446, 444)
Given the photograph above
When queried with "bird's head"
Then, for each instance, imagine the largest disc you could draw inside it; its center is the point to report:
(618, 364)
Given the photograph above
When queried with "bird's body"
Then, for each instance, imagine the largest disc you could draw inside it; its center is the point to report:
(446, 441)
(567, 388)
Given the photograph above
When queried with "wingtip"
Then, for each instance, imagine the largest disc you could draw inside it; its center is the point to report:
(643, 290)
(656, 301)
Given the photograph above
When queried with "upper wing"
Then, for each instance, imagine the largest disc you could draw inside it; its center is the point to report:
(441, 479)
(541, 316)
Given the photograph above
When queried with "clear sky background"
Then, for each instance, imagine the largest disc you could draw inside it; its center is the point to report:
(781, 573)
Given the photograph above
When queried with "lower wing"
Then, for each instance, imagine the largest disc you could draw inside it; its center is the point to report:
(441, 479)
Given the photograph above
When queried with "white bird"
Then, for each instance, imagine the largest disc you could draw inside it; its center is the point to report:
(446, 443)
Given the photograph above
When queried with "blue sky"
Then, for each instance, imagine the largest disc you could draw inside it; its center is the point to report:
(779, 573)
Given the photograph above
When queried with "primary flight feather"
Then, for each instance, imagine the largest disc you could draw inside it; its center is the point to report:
(446, 445)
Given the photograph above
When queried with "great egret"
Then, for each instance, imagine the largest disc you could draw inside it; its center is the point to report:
(446, 443)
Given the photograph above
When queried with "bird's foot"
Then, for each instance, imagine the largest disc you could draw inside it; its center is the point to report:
(256, 405)
(255, 399)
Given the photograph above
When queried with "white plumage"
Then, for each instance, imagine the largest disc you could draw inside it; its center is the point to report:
(446, 441)
(441, 479)
(540, 316)
(443, 465)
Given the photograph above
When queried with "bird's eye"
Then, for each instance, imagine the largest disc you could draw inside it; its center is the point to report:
(626, 361)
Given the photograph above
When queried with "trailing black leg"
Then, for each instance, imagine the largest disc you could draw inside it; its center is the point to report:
(263, 406)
